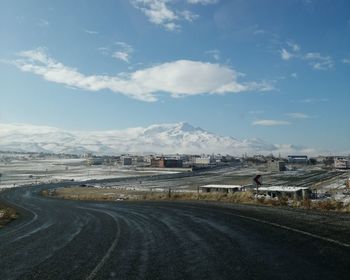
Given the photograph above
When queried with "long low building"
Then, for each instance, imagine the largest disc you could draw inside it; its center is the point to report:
(221, 188)
(166, 163)
(286, 191)
(298, 159)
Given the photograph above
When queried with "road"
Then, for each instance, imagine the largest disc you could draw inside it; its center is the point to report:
(58, 239)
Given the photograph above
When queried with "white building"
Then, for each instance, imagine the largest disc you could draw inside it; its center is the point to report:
(203, 160)
(286, 191)
(221, 188)
(341, 163)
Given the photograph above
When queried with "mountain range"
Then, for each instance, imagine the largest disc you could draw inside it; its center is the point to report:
(181, 138)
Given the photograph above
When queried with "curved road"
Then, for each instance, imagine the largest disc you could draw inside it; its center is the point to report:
(57, 239)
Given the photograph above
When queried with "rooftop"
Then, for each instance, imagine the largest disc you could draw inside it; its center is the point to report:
(222, 186)
(283, 188)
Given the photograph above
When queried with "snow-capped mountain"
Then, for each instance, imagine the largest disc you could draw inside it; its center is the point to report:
(160, 138)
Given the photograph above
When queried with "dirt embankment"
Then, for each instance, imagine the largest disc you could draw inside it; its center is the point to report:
(7, 214)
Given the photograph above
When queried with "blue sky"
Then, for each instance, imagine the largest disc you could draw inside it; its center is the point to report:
(276, 70)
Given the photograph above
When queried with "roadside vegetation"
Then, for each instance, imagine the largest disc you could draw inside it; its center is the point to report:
(7, 214)
(110, 194)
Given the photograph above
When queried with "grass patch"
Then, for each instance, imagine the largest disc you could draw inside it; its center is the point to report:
(90, 193)
(247, 197)
(329, 204)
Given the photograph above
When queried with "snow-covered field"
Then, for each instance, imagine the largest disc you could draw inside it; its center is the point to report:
(32, 171)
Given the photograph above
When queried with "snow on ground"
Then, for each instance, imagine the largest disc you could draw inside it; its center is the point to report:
(343, 198)
(34, 171)
(334, 186)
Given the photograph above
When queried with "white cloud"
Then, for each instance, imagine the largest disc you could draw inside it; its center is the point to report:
(91, 32)
(259, 32)
(104, 50)
(124, 52)
(292, 52)
(295, 47)
(119, 50)
(319, 62)
(314, 100)
(314, 59)
(203, 2)
(346, 61)
(188, 15)
(125, 46)
(294, 75)
(214, 53)
(43, 23)
(158, 12)
(270, 122)
(297, 115)
(177, 78)
(162, 12)
(286, 55)
(171, 26)
(121, 56)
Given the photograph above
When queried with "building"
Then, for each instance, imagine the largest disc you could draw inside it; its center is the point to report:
(347, 183)
(166, 163)
(276, 165)
(286, 191)
(126, 161)
(95, 161)
(221, 188)
(298, 159)
(203, 160)
(341, 163)
(157, 162)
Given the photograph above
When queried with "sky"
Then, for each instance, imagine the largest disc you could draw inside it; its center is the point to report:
(275, 70)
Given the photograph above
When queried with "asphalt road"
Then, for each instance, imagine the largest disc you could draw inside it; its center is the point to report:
(57, 239)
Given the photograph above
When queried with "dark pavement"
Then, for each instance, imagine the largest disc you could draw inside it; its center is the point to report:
(57, 239)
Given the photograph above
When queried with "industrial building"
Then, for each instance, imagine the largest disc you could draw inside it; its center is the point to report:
(166, 163)
(341, 163)
(126, 161)
(286, 191)
(276, 165)
(298, 159)
(221, 188)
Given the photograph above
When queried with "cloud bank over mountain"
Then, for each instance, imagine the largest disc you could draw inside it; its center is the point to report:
(159, 138)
